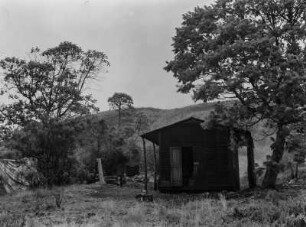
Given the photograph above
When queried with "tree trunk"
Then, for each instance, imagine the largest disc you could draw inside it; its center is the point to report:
(155, 168)
(98, 147)
(277, 154)
(251, 163)
(296, 170)
(292, 172)
(145, 166)
(119, 116)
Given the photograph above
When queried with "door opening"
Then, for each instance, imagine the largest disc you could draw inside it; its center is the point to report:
(176, 166)
(188, 165)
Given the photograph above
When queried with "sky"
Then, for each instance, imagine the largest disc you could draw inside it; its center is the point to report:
(136, 35)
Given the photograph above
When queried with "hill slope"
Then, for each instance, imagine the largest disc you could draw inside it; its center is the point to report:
(161, 117)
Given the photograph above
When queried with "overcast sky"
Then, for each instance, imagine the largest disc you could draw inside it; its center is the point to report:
(136, 35)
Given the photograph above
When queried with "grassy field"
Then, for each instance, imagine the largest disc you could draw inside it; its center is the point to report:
(93, 205)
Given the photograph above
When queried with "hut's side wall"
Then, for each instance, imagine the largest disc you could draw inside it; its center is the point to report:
(211, 156)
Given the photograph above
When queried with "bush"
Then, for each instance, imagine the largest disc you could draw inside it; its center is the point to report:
(52, 146)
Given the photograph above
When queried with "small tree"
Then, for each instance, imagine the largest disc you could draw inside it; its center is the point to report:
(52, 146)
(114, 151)
(93, 140)
(121, 102)
(296, 145)
(252, 51)
(141, 123)
(96, 132)
(46, 90)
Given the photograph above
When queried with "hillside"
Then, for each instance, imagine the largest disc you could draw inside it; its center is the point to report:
(161, 117)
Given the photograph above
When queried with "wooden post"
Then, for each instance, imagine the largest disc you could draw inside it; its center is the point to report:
(145, 166)
(235, 159)
(251, 163)
(155, 168)
(100, 169)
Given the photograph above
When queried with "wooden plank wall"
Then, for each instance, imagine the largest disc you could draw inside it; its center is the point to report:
(211, 152)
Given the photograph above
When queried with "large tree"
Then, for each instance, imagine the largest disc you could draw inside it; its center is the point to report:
(250, 50)
(50, 85)
(120, 101)
(46, 93)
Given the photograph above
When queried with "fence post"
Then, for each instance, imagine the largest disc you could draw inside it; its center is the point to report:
(145, 165)
(100, 169)
(155, 168)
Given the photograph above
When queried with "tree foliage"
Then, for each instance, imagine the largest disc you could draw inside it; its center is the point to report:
(250, 50)
(50, 85)
(141, 123)
(46, 94)
(120, 101)
(296, 145)
(52, 145)
(96, 132)
(111, 144)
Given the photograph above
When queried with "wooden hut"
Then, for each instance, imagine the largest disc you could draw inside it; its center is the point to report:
(195, 159)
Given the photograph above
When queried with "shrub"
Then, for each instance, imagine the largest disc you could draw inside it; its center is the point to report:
(52, 146)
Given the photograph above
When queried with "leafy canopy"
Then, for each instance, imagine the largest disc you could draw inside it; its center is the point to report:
(50, 85)
(250, 50)
(120, 101)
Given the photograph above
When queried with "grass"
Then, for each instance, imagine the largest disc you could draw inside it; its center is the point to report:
(93, 205)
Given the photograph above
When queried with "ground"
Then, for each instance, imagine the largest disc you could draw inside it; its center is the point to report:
(110, 205)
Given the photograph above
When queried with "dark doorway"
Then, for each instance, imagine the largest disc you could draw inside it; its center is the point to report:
(176, 166)
(187, 167)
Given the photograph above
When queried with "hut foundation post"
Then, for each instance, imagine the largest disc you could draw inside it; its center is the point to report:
(251, 162)
(235, 159)
(155, 168)
(145, 166)
(145, 197)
